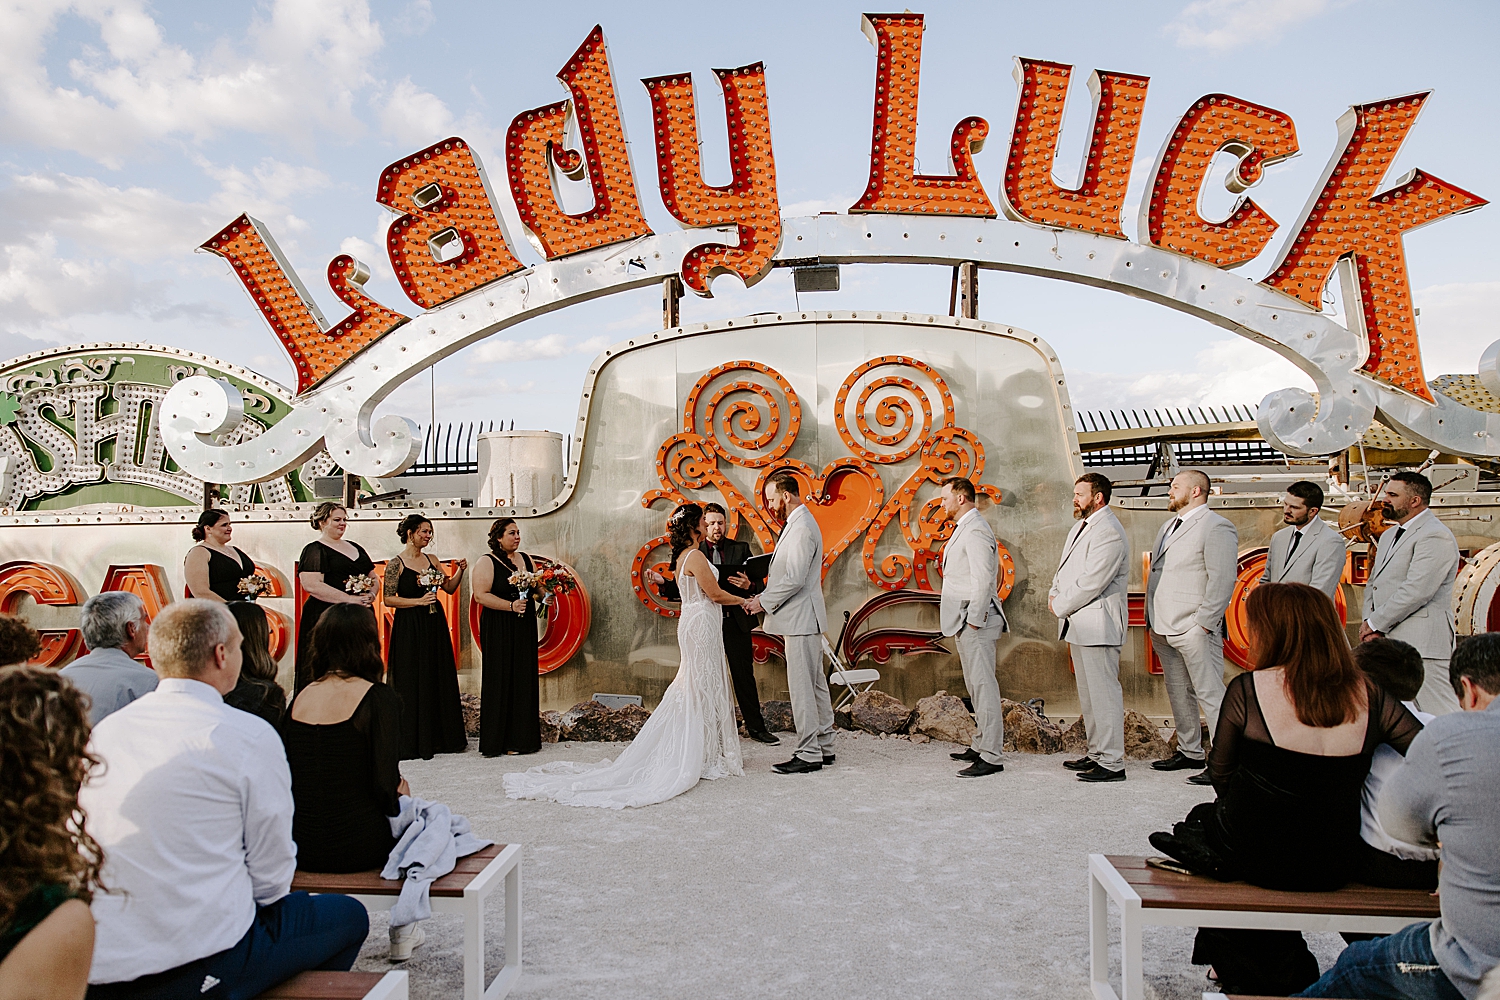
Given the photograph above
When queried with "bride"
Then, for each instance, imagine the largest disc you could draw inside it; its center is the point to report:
(692, 734)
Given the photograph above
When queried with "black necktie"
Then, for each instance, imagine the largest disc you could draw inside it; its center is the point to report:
(1397, 536)
(1292, 549)
(1176, 523)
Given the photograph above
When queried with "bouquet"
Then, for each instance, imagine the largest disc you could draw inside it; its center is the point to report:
(431, 579)
(524, 582)
(555, 581)
(252, 586)
(360, 584)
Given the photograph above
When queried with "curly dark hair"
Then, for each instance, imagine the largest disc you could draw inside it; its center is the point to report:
(496, 530)
(207, 520)
(680, 529)
(19, 642)
(410, 523)
(323, 511)
(44, 760)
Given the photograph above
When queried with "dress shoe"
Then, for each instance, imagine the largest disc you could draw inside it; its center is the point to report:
(1179, 762)
(970, 755)
(1201, 778)
(980, 768)
(1081, 764)
(1100, 773)
(797, 766)
(828, 758)
(765, 737)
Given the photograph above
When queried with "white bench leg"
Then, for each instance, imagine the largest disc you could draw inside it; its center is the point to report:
(1132, 978)
(1099, 940)
(473, 946)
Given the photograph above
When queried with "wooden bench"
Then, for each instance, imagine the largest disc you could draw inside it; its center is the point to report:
(463, 890)
(340, 986)
(1150, 896)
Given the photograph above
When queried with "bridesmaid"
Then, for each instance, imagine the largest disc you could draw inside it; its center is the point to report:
(420, 667)
(509, 695)
(324, 566)
(213, 567)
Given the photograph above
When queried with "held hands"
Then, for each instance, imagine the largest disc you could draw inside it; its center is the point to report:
(1366, 633)
(426, 599)
(518, 607)
(752, 606)
(365, 599)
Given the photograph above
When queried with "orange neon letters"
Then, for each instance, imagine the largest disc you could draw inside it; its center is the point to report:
(46, 584)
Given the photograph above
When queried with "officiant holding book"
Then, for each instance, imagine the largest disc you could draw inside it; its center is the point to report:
(730, 557)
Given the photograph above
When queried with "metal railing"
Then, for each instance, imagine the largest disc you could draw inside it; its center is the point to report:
(451, 449)
(1198, 435)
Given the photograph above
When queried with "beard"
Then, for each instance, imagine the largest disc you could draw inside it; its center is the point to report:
(1176, 505)
(1079, 513)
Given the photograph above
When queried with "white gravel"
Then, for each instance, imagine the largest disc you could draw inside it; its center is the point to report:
(881, 876)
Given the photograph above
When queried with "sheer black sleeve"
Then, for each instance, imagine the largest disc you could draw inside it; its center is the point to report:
(1224, 758)
(379, 718)
(1390, 721)
(311, 560)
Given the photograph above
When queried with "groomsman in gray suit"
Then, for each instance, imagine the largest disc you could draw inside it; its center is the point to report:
(793, 603)
(1193, 568)
(1306, 550)
(1088, 596)
(1409, 595)
(970, 609)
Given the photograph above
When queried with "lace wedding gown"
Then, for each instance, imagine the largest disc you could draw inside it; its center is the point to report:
(691, 735)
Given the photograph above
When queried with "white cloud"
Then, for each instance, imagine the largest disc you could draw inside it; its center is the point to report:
(1227, 372)
(1222, 25)
(553, 345)
(414, 117)
(1457, 323)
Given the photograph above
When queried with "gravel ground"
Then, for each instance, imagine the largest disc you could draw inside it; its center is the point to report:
(881, 876)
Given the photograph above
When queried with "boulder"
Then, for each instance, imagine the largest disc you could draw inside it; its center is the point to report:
(1143, 740)
(842, 718)
(879, 713)
(551, 726)
(469, 703)
(1076, 738)
(944, 717)
(1203, 734)
(1028, 732)
(589, 721)
(778, 716)
(919, 738)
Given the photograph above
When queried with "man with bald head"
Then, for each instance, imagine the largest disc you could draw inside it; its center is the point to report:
(1193, 568)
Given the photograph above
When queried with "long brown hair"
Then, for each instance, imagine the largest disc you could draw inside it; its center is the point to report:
(44, 760)
(256, 633)
(345, 643)
(1297, 628)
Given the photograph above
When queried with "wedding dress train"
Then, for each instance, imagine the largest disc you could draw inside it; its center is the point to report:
(691, 735)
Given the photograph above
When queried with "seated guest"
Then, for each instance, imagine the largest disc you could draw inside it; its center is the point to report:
(115, 626)
(1385, 861)
(257, 691)
(193, 810)
(49, 864)
(19, 642)
(343, 744)
(1444, 793)
(1289, 761)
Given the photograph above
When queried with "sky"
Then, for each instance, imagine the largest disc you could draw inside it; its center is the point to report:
(132, 132)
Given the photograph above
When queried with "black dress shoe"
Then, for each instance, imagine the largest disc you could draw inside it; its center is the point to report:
(1201, 778)
(970, 754)
(1081, 764)
(797, 766)
(764, 737)
(828, 758)
(1101, 773)
(980, 768)
(1178, 762)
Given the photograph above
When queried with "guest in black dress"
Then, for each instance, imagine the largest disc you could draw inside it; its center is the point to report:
(256, 691)
(323, 568)
(1289, 762)
(509, 694)
(213, 567)
(421, 664)
(342, 736)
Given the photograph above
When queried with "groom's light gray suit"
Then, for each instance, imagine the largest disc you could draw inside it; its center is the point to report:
(793, 602)
(970, 609)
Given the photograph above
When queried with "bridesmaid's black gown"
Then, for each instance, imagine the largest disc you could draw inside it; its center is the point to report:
(510, 696)
(421, 671)
(336, 568)
(225, 573)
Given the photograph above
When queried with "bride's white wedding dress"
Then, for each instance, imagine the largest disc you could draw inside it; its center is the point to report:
(691, 735)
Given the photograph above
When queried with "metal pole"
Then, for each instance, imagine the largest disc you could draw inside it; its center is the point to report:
(210, 495)
(968, 290)
(351, 491)
(953, 294)
(671, 295)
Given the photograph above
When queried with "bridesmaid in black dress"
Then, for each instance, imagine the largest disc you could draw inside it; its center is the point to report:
(323, 568)
(509, 695)
(213, 567)
(420, 667)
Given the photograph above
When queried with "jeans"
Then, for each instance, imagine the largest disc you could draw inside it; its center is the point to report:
(1397, 967)
(296, 933)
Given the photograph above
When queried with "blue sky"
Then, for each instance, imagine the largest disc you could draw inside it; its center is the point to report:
(131, 132)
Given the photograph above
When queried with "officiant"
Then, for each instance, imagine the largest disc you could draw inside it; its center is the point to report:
(728, 554)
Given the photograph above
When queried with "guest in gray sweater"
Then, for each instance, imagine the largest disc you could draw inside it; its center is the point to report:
(1445, 793)
(115, 626)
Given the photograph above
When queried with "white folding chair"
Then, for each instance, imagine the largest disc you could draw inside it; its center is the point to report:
(854, 682)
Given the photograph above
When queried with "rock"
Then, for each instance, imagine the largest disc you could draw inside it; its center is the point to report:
(943, 717)
(842, 719)
(1202, 733)
(551, 726)
(879, 713)
(1143, 740)
(469, 703)
(778, 716)
(1076, 738)
(591, 721)
(1028, 732)
(919, 738)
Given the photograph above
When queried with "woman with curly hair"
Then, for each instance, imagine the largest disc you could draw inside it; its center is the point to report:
(19, 642)
(49, 865)
(509, 691)
(325, 565)
(420, 665)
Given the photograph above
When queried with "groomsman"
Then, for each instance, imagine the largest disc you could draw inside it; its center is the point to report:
(970, 609)
(1088, 596)
(1193, 567)
(1306, 550)
(1409, 595)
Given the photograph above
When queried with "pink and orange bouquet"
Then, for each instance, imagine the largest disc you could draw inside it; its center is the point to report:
(252, 586)
(431, 579)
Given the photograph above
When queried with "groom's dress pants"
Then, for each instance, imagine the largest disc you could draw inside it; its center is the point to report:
(811, 708)
(976, 651)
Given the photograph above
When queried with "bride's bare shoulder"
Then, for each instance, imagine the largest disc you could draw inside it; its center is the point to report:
(691, 561)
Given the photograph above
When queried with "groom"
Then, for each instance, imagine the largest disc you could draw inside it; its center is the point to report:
(793, 603)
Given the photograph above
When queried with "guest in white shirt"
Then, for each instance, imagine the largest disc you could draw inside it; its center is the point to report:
(115, 626)
(193, 810)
